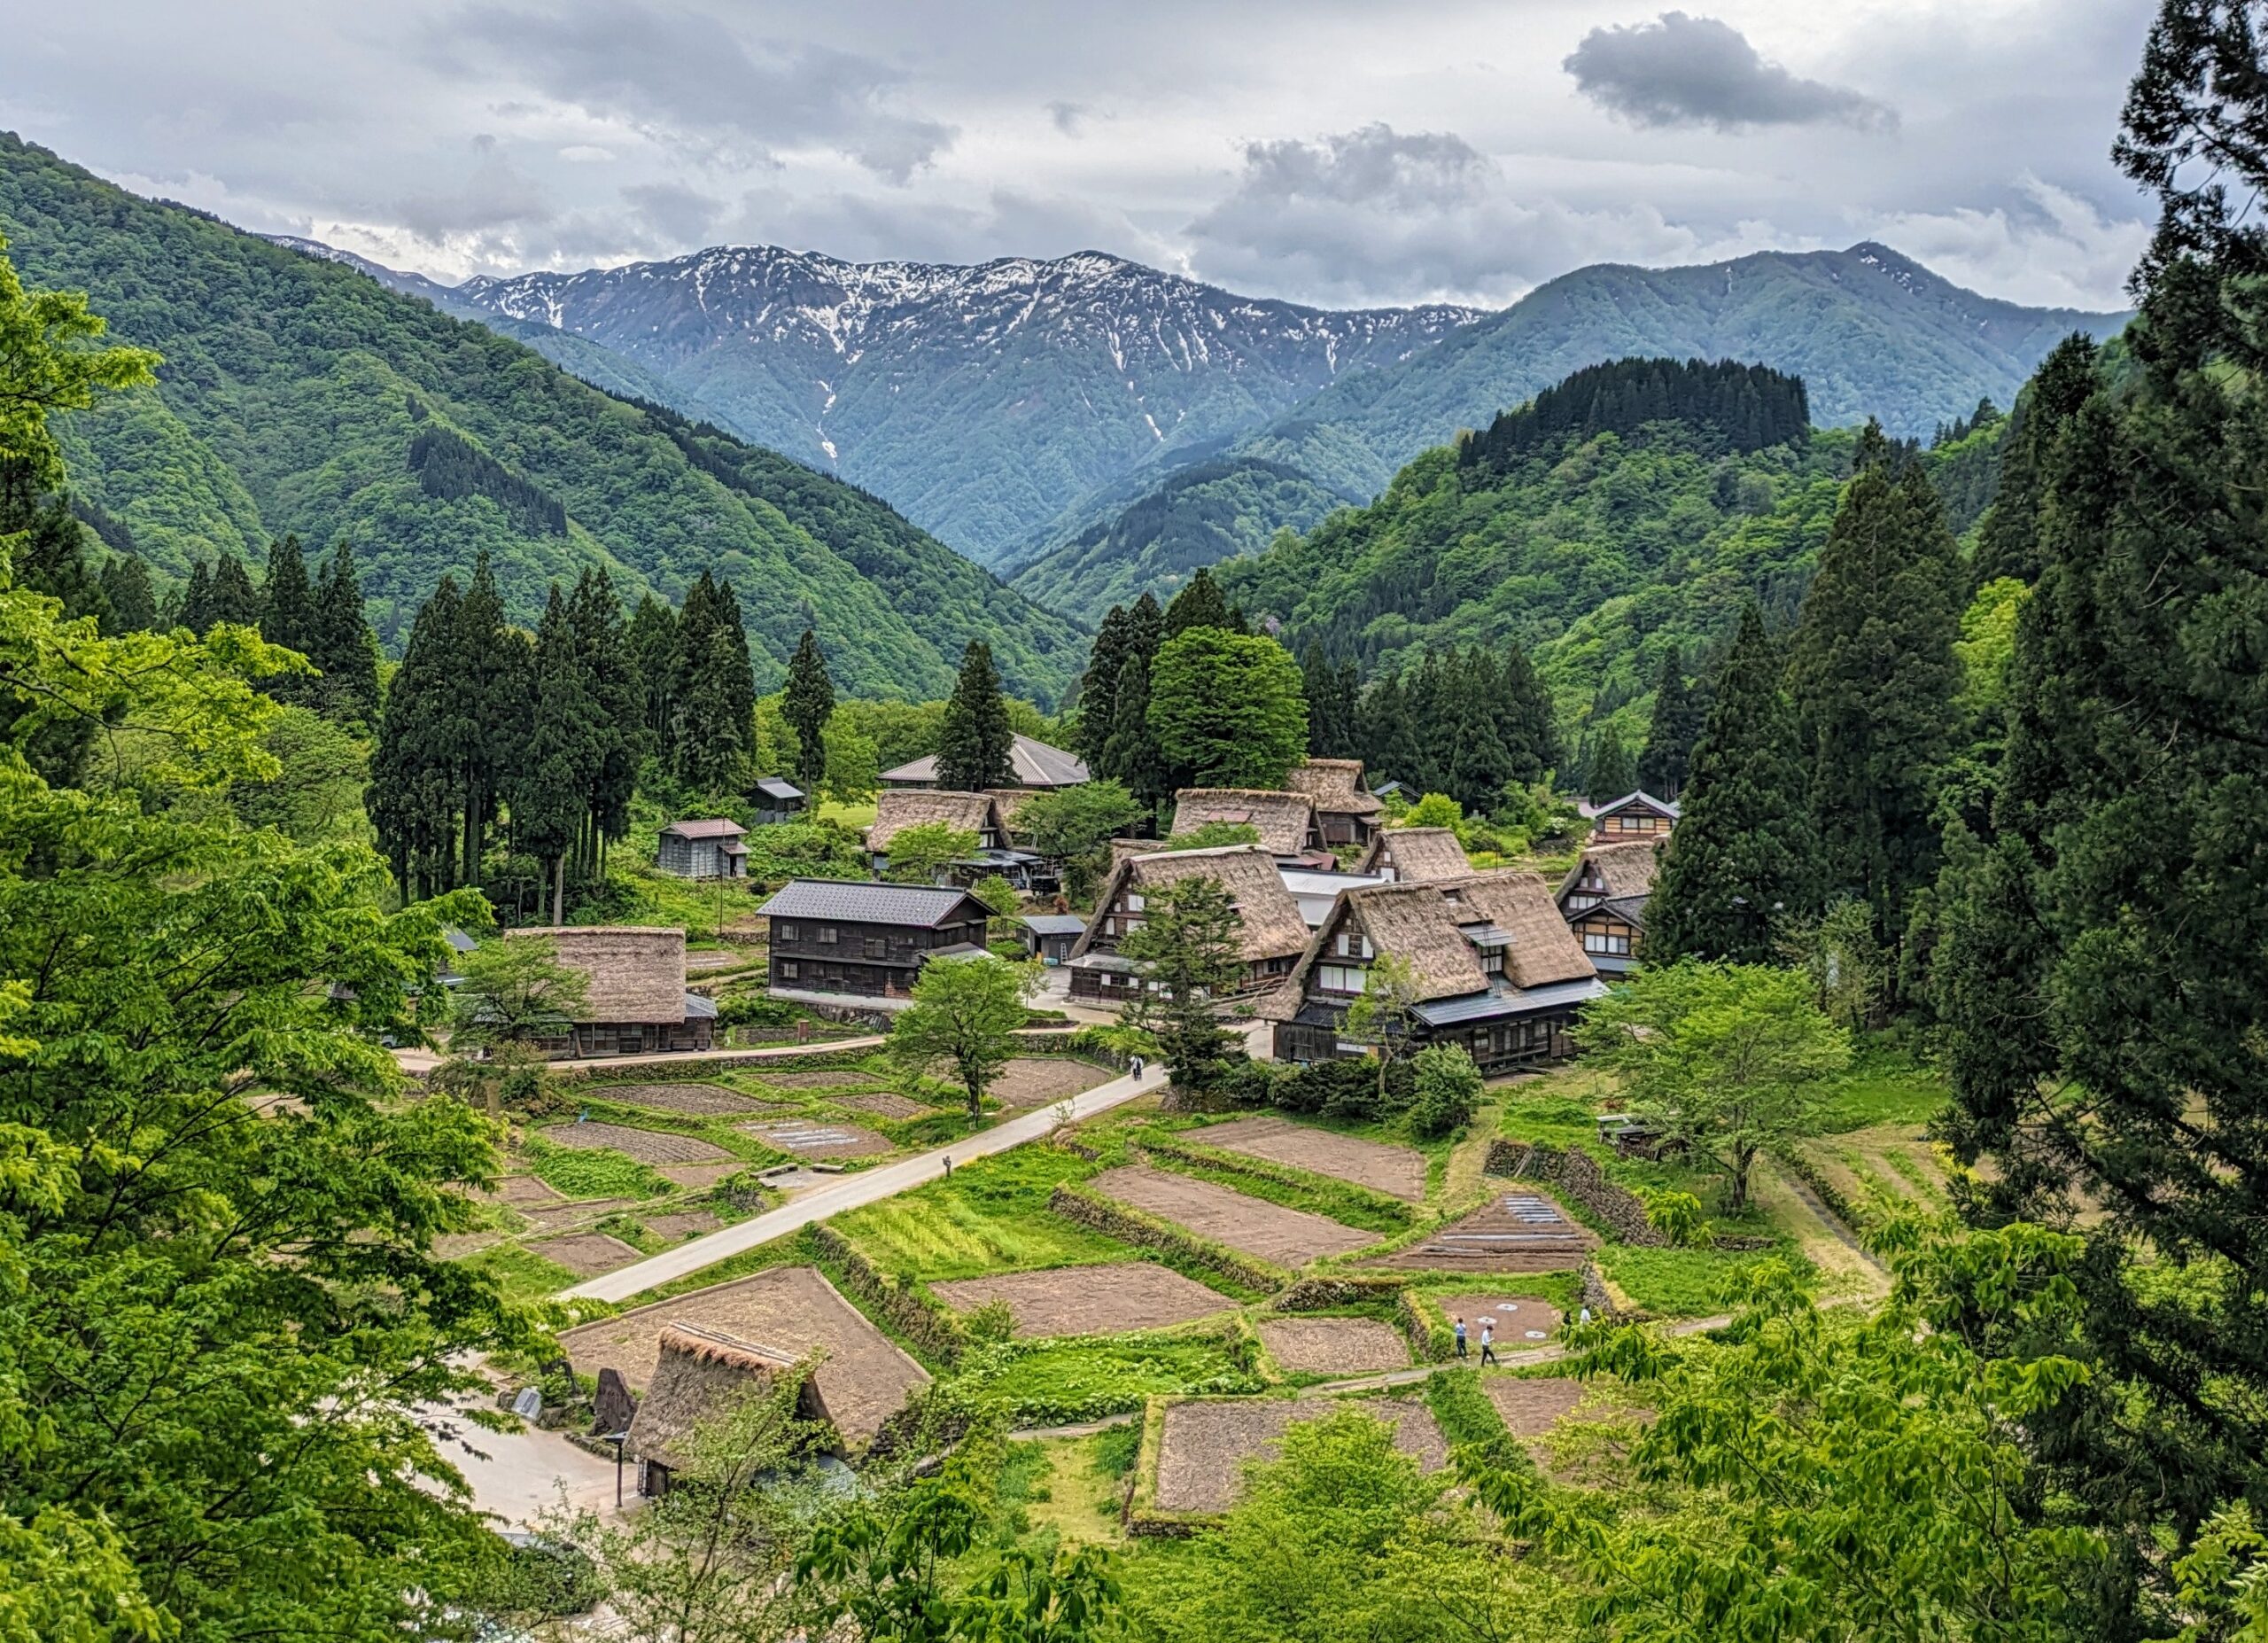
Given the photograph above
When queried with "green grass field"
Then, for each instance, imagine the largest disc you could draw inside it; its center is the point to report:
(992, 1216)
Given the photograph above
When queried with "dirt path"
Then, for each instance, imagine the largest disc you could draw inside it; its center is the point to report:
(418, 1063)
(1512, 1360)
(856, 1191)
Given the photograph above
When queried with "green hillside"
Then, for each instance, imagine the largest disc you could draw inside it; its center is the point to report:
(1206, 513)
(294, 390)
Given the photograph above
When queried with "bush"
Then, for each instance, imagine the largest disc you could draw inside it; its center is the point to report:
(756, 1009)
(1250, 1083)
(1346, 1089)
(1446, 1088)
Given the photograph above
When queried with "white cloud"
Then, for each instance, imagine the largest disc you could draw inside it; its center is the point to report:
(2051, 248)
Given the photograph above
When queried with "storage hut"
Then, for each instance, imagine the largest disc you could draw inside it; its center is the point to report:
(1284, 822)
(709, 848)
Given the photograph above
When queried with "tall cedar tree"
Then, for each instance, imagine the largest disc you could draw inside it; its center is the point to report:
(489, 697)
(1608, 773)
(807, 705)
(549, 785)
(1679, 711)
(712, 689)
(1873, 674)
(191, 606)
(1099, 687)
(1330, 693)
(1475, 761)
(2102, 978)
(652, 638)
(411, 797)
(1743, 862)
(1200, 604)
(1526, 719)
(975, 742)
(610, 678)
(1190, 945)
(287, 617)
(130, 604)
(1388, 733)
(231, 597)
(2007, 537)
(343, 646)
(1131, 754)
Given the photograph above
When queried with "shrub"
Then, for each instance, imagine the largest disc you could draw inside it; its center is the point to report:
(1345, 1089)
(1446, 1088)
(756, 1009)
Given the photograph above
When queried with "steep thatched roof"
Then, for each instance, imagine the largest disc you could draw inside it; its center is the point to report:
(632, 973)
(1286, 822)
(1434, 927)
(1122, 848)
(1414, 855)
(1335, 786)
(1616, 872)
(1011, 801)
(701, 1375)
(897, 808)
(1273, 927)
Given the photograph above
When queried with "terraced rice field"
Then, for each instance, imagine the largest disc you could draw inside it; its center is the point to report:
(1398, 1171)
(1519, 1230)
(813, 1138)
(1335, 1345)
(1288, 1237)
(1205, 1444)
(1110, 1299)
(646, 1146)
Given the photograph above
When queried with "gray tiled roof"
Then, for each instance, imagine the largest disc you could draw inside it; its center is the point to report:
(1500, 1001)
(857, 902)
(1035, 763)
(1055, 923)
(773, 787)
(706, 827)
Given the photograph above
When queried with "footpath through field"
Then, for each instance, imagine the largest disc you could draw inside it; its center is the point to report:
(856, 1191)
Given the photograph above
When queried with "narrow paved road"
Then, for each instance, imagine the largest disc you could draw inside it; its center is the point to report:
(855, 1191)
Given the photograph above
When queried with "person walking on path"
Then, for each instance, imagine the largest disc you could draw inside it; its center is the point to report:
(1488, 1343)
(1460, 1340)
(1134, 1068)
(949, 1166)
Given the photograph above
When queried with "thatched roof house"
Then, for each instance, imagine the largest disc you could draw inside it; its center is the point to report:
(1284, 822)
(1414, 855)
(1271, 929)
(1346, 811)
(895, 809)
(701, 1376)
(634, 978)
(1604, 901)
(1495, 966)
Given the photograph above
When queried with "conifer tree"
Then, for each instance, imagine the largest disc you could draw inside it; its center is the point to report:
(1200, 604)
(2007, 537)
(488, 699)
(807, 703)
(413, 795)
(1608, 773)
(195, 609)
(1525, 718)
(1741, 864)
(712, 689)
(230, 598)
(1099, 688)
(610, 678)
(1873, 672)
(1388, 733)
(1131, 752)
(975, 742)
(1331, 694)
(1678, 715)
(549, 787)
(652, 638)
(287, 618)
(129, 606)
(343, 646)
(2100, 977)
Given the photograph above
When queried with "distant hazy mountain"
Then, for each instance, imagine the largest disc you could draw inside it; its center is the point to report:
(983, 403)
(298, 397)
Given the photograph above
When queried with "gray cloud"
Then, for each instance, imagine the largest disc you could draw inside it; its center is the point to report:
(687, 81)
(1681, 70)
(1068, 117)
(1375, 214)
(494, 195)
(673, 212)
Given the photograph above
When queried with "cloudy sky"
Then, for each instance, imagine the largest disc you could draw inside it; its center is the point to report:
(1337, 151)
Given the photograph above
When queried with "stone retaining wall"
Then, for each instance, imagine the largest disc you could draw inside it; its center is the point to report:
(929, 1326)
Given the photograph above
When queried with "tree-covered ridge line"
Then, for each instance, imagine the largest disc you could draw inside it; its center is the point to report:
(292, 392)
(1747, 407)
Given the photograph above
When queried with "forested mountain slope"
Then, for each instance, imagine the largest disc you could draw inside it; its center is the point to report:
(1203, 514)
(981, 401)
(1871, 332)
(1598, 547)
(298, 395)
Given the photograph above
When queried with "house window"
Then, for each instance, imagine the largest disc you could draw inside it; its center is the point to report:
(828, 935)
(1366, 949)
(1133, 903)
(1344, 943)
(1110, 927)
(789, 970)
(1602, 941)
(1341, 977)
(1577, 903)
(876, 948)
(1492, 962)
(786, 932)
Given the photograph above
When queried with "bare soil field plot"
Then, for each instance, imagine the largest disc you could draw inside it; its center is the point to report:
(840, 1078)
(883, 1104)
(522, 1192)
(809, 1137)
(455, 1246)
(1522, 1321)
(1288, 1237)
(586, 1255)
(1205, 1444)
(1519, 1230)
(555, 1216)
(699, 1175)
(862, 1376)
(681, 1224)
(1088, 1300)
(701, 1099)
(1398, 1171)
(1335, 1345)
(1532, 1408)
(1038, 1081)
(646, 1146)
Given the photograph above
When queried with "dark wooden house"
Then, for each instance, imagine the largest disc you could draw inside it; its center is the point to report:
(1497, 972)
(1638, 815)
(1346, 812)
(1604, 902)
(868, 940)
(778, 801)
(634, 980)
(710, 847)
(1273, 932)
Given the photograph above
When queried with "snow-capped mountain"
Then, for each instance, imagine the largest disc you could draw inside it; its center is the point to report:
(981, 400)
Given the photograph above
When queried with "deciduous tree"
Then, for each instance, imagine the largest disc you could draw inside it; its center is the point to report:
(965, 1014)
(1227, 710)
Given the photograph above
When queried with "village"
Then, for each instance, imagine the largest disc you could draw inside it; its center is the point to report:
(1146, 1285)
